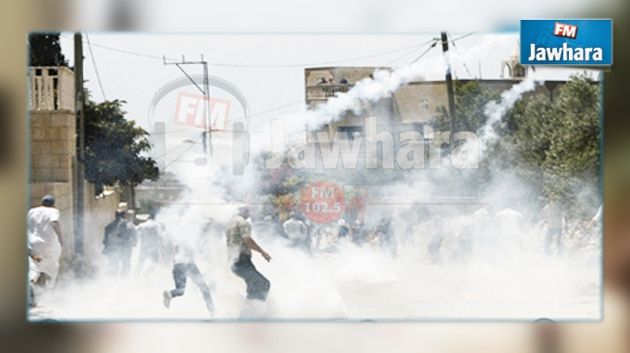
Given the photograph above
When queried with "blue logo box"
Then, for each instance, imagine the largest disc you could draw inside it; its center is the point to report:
(566, 42)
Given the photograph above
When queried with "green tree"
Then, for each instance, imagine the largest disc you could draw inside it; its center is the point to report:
(45, 50)
(560, 139)
(114, 147)
(470, 102)
(551, 144)
(471, 99)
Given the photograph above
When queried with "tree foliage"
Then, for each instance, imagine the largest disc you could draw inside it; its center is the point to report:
(45, 50)
(114, 147)
(560, 138)
(550, 142)
(470, 101)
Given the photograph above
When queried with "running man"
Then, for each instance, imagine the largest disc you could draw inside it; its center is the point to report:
(240, 245)
(44, 241)
(184, 267)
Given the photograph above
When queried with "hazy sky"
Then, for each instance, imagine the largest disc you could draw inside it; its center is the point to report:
(136, 78)
(268, 69)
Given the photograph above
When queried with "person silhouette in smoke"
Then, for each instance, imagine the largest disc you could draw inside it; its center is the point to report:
(119, 240)
(240, 245)
(184, 267)
(556, 224)
(342, 230)
(298, 232)
(359, 236)
(150, 233)
(384, 236)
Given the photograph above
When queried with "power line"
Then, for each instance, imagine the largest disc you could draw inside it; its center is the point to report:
(170, 132)
(149, 56)
(271, 110)
(462, 61)
(463, 36)
(184, 152)
(98, 77)
(260, 45)
(412, 51)
(163, 155)
(435, 42)
(330, 61)
(146, 76)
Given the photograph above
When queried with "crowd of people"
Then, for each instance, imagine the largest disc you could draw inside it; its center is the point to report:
(447, 238)
(310, 237)
(125, 233)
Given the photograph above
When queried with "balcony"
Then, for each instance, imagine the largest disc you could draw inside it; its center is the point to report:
(51, 88)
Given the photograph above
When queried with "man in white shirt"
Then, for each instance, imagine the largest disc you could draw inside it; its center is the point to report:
(184, 267)
(150, 233)
(297, 231)
(45, 241)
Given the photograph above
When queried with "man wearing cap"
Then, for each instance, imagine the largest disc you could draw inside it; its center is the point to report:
(119, 240)
(240, 246)
(45, 241)
(108, 240)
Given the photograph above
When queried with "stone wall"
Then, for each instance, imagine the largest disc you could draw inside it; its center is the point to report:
(53, 159)
(53, 146)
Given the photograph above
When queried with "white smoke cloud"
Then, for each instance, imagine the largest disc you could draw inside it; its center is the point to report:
(495, 110)
(368, 90)
(506, 275)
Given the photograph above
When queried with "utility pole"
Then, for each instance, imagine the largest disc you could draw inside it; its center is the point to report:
(449, 88)
(79, 224)
(207, 129)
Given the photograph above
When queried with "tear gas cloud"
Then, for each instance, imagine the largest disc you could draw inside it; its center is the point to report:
(457, 253)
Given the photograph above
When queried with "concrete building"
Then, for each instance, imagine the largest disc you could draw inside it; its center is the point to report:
(53, 160)
(413, 106)
(512, 67)
(53, 142)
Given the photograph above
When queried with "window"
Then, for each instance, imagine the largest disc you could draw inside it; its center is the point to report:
(352, 132)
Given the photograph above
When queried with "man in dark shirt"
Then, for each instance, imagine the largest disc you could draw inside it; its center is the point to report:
(119, 241)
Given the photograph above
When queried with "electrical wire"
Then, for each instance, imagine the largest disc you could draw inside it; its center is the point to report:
(456, 50)
(424, 52)
(280, 107)
(412, 51)
(264, 112)
(149, 56)
(184, 152)
(463, 36)
(98, 76)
